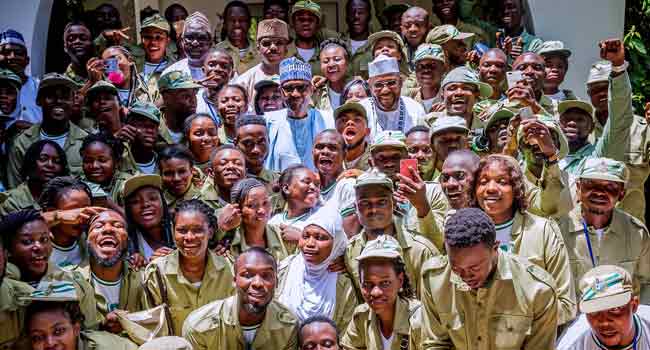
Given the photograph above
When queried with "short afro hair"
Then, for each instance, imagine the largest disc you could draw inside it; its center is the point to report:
(469, 227)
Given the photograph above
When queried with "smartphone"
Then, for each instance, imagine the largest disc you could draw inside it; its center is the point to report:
(404, 166)
(514, 77)
(111, 65)
(526, 113)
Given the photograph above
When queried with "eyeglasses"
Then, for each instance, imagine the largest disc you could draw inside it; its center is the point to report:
(268, 42)
(301, 88)
(391, 84)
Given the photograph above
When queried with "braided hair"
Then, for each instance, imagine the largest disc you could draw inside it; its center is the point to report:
(197, 205)
(59, 186)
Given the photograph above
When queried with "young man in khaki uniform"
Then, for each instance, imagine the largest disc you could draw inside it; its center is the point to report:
(597, 233)
(251, 319)
(178, 92)
(55, 94)
(478, 297)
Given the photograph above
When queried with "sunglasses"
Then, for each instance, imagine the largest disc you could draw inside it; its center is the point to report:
(297, 87)
(382, 84)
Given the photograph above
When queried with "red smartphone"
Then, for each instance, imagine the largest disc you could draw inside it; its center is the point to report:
(404, 166)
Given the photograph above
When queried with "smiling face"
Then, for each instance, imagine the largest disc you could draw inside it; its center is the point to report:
(474, 264)
(105, 106)
(56, 103)
(220, 65)
(297, 94)
(228, 167)
(532, 68)
(386, 90)
(31, 249)
(598, 95)
(315, 244)
(576, 125)
(176, 176)
(256, 207)
(495, 192)
(328, 153)
(386, 160)
(231, 103)
(429, 72)
(445, 142)
(195, 41)
(98, 163)
(203, 138)
(388, 47)
(374, 207)
(71, 199)
(333, 63)
(460, 98)
(107, 238)
(380, 284)
(8, 97)
(353, 127)
(303, 191)
(270, 99)
(306, 24)
(78, 43)
(52, 329)
(457, 181)
(191, 233)
(155, 43)
(445, 10)
(614, 327)
(16, 57)
(147, 131)
(456, 51)
(599, 197)
(253, 140)
(255, 280)
(236, 23)
(418, 147)
(512, 13)
(357, 17)
(415, 26)
(48, 164)
(146, 207)
(273, 50)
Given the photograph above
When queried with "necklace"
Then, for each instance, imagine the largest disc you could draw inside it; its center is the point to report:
(400, 120)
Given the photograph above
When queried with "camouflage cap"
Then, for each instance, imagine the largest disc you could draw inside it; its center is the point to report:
(138, 181)
(467, 76)
(599, 72)
(12, 78)
(374, 177)
(429, 51)
(565, 105)
(351, 106)
(56, 79)
(442, 34)
(60, 291)
(383, 247)
(604, 169)
(144, 109)
(449, 123)
(306, 5)
(156, 21)
(553, 125)
(605, 287)
(555, 47)
(497, 114)
(102, 85)
(386, 34)
(272, 28)
(389, 138)
(167, 343)
(176, 80)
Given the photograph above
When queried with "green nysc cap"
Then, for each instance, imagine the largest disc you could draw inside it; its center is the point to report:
(449, 123)
(167, 343)
(155, 21)
(176, 80)
(604, 169)
(389, 138)
(497, 113)
(605, 287)
(144, 109)
(444, 33)
(467, 76)
(56, 291)
(56, 79)
(578, 104)
(599, 72)
(555, 47)
(383, 247)
(374, 177)
(102, 85)
(429, 51)
(12, 78)
(307, 5)
(552, 124)
(350, 107)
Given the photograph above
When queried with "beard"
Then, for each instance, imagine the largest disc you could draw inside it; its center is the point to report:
(110, 262)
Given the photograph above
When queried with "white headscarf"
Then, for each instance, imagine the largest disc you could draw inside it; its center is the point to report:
(310, 289)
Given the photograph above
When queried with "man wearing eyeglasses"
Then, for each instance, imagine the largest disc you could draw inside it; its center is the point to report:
(292, 130)
(386, 109)
(196, 41)
(272, 40)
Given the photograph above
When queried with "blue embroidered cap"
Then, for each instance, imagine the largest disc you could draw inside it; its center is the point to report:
(294, 69)
(11, 36)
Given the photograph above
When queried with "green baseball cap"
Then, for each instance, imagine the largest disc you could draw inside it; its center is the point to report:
(448, 123)
(144, 109)
(599, 72)
(554, 47)
(307, 5)
(605, 287)
(442, 34)
(389, 138)
(604, 169)
(429, 51)
(565, 105)
(12, 78)
(350, 106)
(56, 79)
(56, 291)
(102, 85)
(138, 181)
(176, 80)
(374, 177)
(467, 76)
(155, 21)
(383, 247)
(552, 124)
(386, 34)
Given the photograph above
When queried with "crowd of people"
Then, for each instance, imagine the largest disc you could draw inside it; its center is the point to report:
(421, 181)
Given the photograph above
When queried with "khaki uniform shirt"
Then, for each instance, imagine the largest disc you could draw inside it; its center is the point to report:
(346, 296)
(269, 178)
(192, 193)
(182, 296)
(17, 199)
(33, 134)
(364, 332)
(550, 195)
(625, 243)
(362, 163)
(415, 251)
(70, 73)
(516, 309)
(241, 64)
(216, 326)
(540, 241)
(274, 244)
(209, 194)
(96, 340)
(12, 311)
(131, 291)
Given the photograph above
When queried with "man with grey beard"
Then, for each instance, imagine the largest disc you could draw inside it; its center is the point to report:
(251, 319)
(117, 285)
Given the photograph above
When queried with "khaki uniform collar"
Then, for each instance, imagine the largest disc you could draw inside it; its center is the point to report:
(404, 240)
(576, 221)
(271, 241)
(230, 316)
(402, 315)
(210, 192)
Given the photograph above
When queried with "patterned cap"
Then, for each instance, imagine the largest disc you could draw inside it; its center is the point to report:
(374, 177)
(54, 291)
(604, 169)
(383, 247)
(599, 72)
(294, 69)
(11, 36)
(351, 106)
(144, 109)
(381, 65)
(553, 125)
(442, 34)
(565, 105)
(155, 21)
(11, 78)
(175, 80)
(102, 85)
(605, 287)
(167, 343)
(448, 123)
(56, 79)
(388, 138)
(467, 76)
(198, 19)
(272, 28)
(429, 51)
(555, 47)
(306, 5)
(138, 181)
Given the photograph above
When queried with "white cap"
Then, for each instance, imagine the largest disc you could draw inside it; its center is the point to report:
(383, 65)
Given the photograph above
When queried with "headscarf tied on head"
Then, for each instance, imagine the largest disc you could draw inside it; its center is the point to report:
(311, 289)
